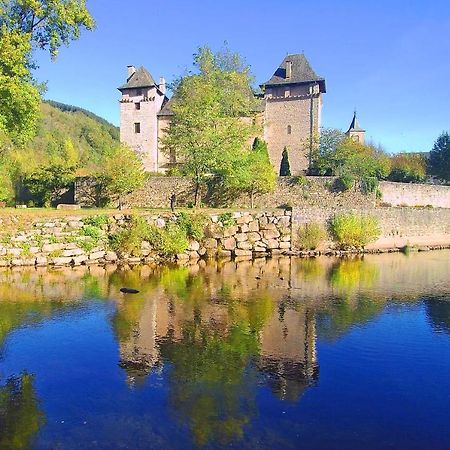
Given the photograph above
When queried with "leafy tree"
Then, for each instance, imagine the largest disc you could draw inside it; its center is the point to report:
(439, 163)
(47, 24)
(325, 145)
(207, 128)
(24, 25)
(348, 158)
(122, 172)
(408, 167)
(285, 167)
(252, 172)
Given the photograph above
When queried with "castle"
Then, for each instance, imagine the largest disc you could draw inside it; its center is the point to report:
(290, 114)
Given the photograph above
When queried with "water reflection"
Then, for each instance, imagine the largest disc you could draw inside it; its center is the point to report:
(20, 413)
(217, 332)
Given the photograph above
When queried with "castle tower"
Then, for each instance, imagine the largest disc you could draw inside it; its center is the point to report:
(355, 131)
(293, 102)
(140, 103)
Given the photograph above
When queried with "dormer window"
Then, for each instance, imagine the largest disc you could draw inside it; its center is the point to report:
(289, 129)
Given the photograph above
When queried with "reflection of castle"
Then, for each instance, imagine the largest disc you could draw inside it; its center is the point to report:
(287, 352)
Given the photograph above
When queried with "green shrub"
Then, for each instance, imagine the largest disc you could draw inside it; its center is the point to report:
(193, 224)
(173, 240)
(128, 240)
(310, 235)
(87, 244)
(96, 221)
(369, 184)
(346, 182)
(92, 231)
(227, 219)
(354, 230)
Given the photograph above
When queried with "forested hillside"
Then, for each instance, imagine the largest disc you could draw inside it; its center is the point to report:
(69, 142)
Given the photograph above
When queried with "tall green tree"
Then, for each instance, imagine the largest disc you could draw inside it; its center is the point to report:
(207, 128)
(439, 163)
(251, 172)
(285, 167)
(121, 173)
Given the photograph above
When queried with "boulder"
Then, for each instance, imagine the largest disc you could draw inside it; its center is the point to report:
(229, 243)
(271, 234)
(244, 245)
(240, 252)
(241, 237)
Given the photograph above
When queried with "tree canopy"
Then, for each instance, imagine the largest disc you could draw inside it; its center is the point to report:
(440, 157)
(207, 129)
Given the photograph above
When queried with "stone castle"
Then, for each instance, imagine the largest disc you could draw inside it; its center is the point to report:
(290, 114)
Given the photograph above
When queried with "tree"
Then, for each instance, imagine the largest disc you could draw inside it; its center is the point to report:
(47, 24)
(285, 168)
(24, 25)
(439, 163)
(408, 167)
(208, 128)
(251, 172)
(325, 146)
(122, 172)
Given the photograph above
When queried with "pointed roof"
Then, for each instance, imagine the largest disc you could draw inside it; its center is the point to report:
(301, 72)
(354, 126)
(141, 78)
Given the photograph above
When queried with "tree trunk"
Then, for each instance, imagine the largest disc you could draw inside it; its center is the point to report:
(197, 194)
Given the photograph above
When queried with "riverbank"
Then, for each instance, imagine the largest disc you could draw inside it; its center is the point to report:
(99, 237)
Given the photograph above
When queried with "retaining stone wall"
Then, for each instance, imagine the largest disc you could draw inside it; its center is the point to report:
(66, 241)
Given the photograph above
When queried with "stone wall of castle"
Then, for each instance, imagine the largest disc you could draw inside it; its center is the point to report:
(287, 123)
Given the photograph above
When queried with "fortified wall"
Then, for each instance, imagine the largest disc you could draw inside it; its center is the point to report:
(322, 192)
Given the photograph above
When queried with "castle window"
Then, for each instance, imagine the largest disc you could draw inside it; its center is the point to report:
(289, 129)
(137, 127)
(137, 106)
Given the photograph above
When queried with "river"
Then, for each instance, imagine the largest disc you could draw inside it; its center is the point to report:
(280, 353)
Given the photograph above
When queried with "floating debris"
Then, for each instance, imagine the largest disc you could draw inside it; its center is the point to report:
(129, 290)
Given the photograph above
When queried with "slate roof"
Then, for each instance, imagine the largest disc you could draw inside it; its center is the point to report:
(166, 109)
(301, 73)
(141, 78)
(354, 126)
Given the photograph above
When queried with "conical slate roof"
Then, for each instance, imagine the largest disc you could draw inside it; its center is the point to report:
(141, 78)
(354, 126)
(301, 72)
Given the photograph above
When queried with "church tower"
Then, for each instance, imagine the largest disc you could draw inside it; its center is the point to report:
(140, 103)
(293, 102)
(355, 131)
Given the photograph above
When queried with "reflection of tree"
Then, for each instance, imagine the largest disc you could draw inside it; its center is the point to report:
(344, 314)
(20, 416)
(210, 378)
(438, 312)
(349, 274)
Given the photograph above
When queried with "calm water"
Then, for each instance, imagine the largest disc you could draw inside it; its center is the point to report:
(277, 354)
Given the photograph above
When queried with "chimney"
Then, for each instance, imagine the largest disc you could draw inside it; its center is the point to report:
(288, 69)
(162, 85)
(131, 70)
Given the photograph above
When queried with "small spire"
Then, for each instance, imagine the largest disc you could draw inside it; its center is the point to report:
(354, 126)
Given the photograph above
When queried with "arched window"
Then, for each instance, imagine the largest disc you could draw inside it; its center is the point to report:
(289, 129)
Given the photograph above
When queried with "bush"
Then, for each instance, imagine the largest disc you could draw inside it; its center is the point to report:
(353, 230)
(193, 224)
(346, 182)
(167, 241)
(369, 184)
(310, 235)
(227, 219)
(96, 221)
(92, 231)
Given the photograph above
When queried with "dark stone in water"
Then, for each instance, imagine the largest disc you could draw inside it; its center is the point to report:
(128, 290)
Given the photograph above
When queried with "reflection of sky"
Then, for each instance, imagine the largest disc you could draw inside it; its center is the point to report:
(383, 382)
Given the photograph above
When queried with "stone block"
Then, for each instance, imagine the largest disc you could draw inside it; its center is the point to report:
(240, 237)
(194, 246)
(74, 252)
(202, 250)
(263, 221)
(269, 226)
(14, 251)
(240, 252)
(259, 249)
(68, 206)
(273, 243)
(285, 245)
(243, 228)
(41, 261)
(96, 255)
(253, 225)
(244, 245)
(230, 231)
(47, 248)
(61, 261)
(210, 243)
(23, 261)
(253, 236)
(77, 260)
(224, 254)
(182, 256)
(229, 243)
(111, 256)
(75, 224)
(271, 234)
(214, 230)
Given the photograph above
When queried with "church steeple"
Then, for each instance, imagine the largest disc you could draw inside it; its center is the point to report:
(355, 131)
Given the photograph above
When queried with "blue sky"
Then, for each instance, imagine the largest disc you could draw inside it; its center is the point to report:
(388, 59)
